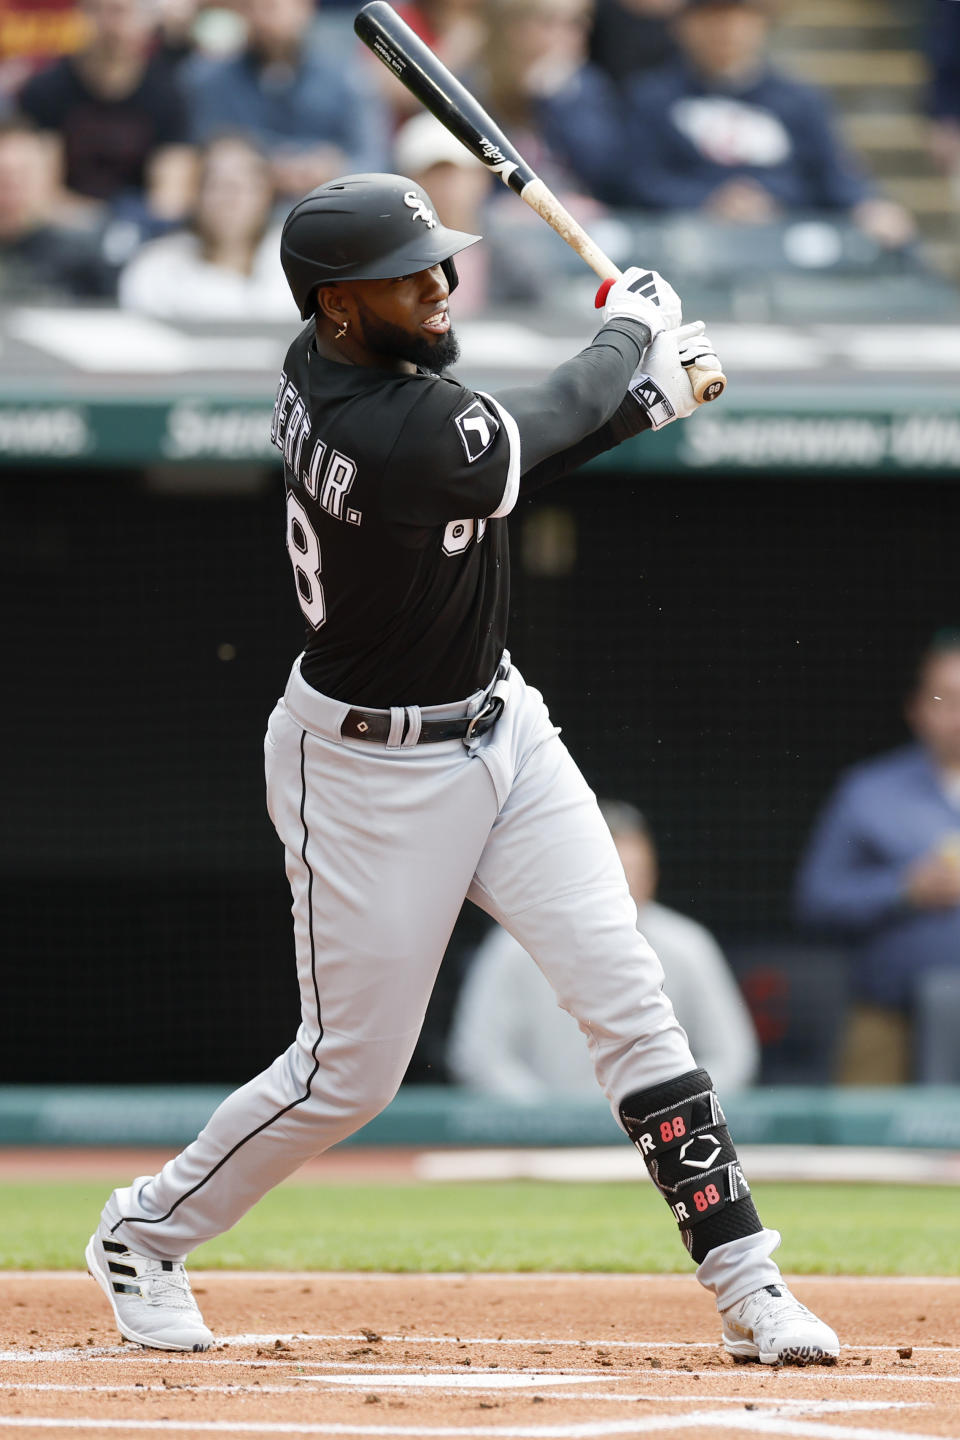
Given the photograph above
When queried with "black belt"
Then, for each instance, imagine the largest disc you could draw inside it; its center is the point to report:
(375, 726)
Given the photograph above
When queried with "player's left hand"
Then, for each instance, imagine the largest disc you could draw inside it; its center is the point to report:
(663, 385)
(641, 295)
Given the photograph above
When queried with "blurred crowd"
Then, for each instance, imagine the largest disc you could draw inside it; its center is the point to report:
(150, 148)
(870, 973)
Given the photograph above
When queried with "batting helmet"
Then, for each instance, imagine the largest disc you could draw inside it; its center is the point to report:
(364, 227)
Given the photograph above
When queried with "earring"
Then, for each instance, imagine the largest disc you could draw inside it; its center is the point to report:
(342, 331)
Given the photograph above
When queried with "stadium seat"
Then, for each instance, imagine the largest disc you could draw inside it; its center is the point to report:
(797, 992)
(937, 1029)
(810, 269)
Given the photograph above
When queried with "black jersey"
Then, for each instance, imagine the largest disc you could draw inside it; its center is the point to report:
(396, 486)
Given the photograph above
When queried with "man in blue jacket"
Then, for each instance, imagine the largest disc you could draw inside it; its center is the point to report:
(315, 116)
(721, 131)
(883, 868)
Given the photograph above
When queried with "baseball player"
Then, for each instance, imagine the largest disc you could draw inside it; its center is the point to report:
(409, 764)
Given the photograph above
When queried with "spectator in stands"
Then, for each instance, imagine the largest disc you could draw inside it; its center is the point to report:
(883, 869)
(944, 101)
(226, 264)
(314, 117)
(498, 272)
(185, 29)
(535, 78)
(174, 29)
(628, 36)
(119, 114)
(509, 1037)
(427, 152)
(721, 130)
(454, 30)
(40, 258)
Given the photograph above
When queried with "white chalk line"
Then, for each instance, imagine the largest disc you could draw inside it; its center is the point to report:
(604, 1343)
(510, 1341)
(779, 1406)
(811, 1429)
(609, 1375)
(126, 1355)
(499, 1381)
(512, 1383)
(363, 1366)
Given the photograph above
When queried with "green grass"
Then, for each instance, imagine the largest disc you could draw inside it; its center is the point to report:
(523, 1225)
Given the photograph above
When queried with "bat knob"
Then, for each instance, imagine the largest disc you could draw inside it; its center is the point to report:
(602, 294)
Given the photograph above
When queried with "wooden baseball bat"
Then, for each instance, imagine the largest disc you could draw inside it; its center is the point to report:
(416, 66)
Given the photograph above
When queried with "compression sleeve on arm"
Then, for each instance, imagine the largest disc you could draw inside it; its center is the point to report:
(629, 419)
(578, 398)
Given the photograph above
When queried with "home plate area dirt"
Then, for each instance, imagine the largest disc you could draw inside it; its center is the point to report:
(475, 1355)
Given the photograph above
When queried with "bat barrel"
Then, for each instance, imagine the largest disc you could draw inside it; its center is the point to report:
(414, 64)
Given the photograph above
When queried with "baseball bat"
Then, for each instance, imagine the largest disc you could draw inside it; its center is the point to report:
(416, 66)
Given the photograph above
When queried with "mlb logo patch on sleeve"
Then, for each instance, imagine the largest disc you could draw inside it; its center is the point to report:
(478, 429)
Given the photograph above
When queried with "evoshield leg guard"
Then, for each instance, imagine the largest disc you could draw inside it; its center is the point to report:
(682, 1134)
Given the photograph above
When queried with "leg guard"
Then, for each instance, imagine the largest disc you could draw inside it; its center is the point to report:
(682, 1134)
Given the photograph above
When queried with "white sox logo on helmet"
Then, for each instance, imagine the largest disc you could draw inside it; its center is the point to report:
(420, 210)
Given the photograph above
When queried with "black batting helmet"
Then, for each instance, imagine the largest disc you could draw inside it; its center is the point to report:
(365, 227)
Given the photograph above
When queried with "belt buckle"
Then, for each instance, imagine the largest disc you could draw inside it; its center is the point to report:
(490, 711)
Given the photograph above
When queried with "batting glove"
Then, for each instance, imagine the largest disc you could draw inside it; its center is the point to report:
(663, 386)
(699, 359)
(641, 295)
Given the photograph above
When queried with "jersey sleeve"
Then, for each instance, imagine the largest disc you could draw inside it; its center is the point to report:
(457, 457)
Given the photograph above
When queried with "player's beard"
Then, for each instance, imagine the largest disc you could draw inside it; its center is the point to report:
(395, 343)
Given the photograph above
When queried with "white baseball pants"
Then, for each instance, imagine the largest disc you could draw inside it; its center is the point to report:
(382, 844)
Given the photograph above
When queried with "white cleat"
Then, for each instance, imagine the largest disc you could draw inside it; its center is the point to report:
(770, 1325)
(151, 1299)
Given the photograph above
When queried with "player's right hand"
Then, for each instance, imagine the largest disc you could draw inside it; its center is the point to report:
(641, 295)
(663, 385)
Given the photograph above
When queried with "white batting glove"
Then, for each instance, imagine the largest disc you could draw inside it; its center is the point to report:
(662, 386)
(641, 295)
(699, 359)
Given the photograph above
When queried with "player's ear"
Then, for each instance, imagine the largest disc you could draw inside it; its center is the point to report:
(330, 304)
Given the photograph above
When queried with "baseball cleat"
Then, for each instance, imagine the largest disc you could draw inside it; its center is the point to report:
(151, 1299)
(770, 1325)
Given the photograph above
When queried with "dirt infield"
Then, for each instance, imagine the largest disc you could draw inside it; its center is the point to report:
(475, 1355)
